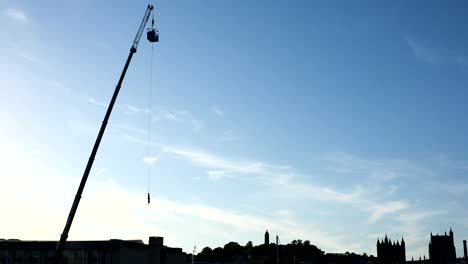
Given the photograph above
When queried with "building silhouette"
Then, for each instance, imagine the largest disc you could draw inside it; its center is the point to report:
(391, 252)
(267, 238)
(92, 252)
(465, 252)
(442, 248)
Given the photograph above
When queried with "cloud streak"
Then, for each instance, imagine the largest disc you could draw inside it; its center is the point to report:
(284, 178)
(422, 52)
(179, 116)
(386, 208)
(228, 135)
(127, 214)
(217, 111)
(432, 55)
(158, 115)
(150, 160)
(95, 102)
(17, 15)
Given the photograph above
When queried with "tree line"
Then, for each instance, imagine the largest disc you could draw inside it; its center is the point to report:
(297, 251)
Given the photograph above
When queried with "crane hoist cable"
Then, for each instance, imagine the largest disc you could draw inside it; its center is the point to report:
(149, 158)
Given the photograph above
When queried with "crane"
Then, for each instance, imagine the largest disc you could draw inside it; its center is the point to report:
(152, 36)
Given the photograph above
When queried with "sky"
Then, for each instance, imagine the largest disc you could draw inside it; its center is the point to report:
(331, 121)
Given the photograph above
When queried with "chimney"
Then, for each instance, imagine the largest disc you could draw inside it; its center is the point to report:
(464, 250)
(156, 241)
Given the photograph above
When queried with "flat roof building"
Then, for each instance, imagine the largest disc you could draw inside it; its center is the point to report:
(114, 251)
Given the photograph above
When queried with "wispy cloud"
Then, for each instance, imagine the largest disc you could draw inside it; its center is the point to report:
(422, 52)
(381, 170)
(208, 223)
(99, 172)
(217, 111)
(284, 177)
(413, 225)
(445, 161)
(386, 208)
(58, 85)
(223, 167)
(129, 128)
(219, 167)
(32, 58)
(17, 15)
(229, 135)
(95, 102)
(454, 188)
(179, 116)
(131, 109)
(431, 54)
(150, 160)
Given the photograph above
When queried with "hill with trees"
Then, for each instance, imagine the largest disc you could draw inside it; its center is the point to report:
(297, 251)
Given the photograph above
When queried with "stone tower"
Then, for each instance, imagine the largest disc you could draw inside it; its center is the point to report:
(267, 238)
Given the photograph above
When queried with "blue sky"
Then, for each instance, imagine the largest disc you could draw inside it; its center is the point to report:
(335, 122)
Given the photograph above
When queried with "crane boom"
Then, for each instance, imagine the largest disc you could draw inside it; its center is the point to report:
(76, 201)
(142, 27)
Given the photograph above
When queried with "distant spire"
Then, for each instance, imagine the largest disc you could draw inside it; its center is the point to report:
(386, 239)
(451, 232)
(402, 241)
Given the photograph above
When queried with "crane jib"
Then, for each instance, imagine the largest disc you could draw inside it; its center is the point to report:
(141, 28)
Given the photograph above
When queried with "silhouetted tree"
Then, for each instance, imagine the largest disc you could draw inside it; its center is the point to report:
(205, 255)
(217, 254)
